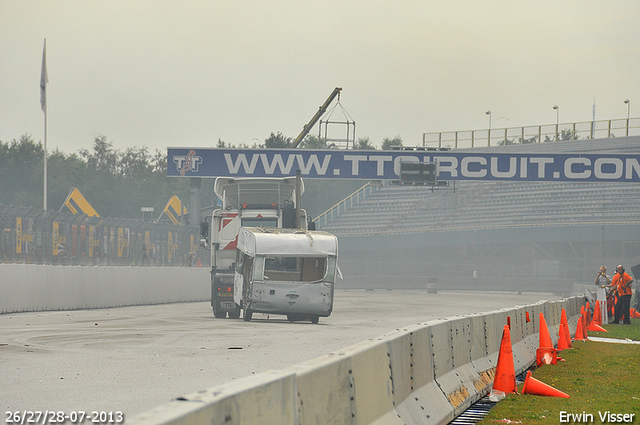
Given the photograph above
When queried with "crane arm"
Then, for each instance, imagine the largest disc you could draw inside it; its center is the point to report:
(307, 128)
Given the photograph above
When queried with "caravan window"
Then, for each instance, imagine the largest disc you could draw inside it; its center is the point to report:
(244, 264)
(295, 269)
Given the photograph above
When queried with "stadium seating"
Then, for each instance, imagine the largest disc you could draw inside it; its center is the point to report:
(477, 205)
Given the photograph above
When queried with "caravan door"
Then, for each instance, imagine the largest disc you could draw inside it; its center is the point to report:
(242, 280)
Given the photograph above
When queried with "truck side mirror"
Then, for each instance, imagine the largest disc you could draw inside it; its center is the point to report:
(204, 229)
(204, 234)
(311, 225)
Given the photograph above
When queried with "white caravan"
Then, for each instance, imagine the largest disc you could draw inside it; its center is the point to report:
(285, 271)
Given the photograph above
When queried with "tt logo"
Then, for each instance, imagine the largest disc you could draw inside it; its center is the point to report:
(186, 163)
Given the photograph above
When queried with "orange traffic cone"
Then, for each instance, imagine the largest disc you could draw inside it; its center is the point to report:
(545, 338)
(594, 327)
(567, 335)
(634, 313)
(562, 338)
(528, 320)
(199, 263)
(536, 387)
(580, 335)
(587, 313)
(597, 317)
(546, 356)
(505, 378)
(583, 314)
(584, 329)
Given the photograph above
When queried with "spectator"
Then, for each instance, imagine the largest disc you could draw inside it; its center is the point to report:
(602, 280)
(622, 282)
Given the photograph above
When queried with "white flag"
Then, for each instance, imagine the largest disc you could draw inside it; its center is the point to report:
(44, 79)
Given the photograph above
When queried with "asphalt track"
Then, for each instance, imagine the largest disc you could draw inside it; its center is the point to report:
(130, 359)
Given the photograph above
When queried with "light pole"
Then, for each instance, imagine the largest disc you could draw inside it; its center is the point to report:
(628, 114)
(557, 119)
(489, 132)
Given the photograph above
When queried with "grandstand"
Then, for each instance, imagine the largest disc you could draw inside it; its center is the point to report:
(545, 233)
(479, 205)
(476, 205)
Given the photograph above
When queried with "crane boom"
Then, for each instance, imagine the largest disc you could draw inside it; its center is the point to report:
(307, 128)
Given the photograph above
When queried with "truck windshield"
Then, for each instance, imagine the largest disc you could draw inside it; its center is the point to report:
(260, 222)
(295, 269)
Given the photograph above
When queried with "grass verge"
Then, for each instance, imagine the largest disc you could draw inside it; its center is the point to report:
(599, 377)
(620, 331)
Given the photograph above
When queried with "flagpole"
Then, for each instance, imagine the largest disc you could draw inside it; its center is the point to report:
(43, 103)
(45, 156)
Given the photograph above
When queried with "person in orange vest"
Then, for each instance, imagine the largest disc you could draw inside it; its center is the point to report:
(622, 282)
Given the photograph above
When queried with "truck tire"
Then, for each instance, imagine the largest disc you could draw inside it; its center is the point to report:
(247, 315)
(315, 319)
(235, 314)
(218, 314)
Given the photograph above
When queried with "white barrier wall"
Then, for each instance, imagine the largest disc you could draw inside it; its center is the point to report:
(422, 374)
(26, 287)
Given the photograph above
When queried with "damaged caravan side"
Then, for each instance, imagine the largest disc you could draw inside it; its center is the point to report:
(285, 271)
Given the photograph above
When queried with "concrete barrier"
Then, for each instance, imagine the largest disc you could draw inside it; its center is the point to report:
(426, 403)
(371, 370)
(267, 398)
(422, 374)
(26, 287)
(483, 360)
(325, 390)
(455, 374)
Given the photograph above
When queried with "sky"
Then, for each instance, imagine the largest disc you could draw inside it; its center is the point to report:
(159, 73)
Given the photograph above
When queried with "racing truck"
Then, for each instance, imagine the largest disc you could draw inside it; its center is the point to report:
(246, 202)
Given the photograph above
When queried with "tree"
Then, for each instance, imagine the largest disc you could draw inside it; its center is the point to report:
(103, 180)
(275, 141)
(104, 158)
(364, 144)
(312, 142)
(64, 172)
(116, 183)
(388, 143)
(21, 172)
(565, 134)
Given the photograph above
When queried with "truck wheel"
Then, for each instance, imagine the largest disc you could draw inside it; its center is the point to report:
(235, 314)
(219, 314)
(295, 317)
(315, 319)
(247, 315)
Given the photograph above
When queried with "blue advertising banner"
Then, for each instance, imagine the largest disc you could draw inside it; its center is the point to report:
(385, 165)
